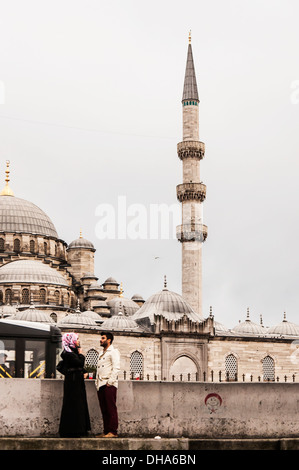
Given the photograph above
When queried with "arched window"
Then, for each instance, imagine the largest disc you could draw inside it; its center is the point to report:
(56, 297)
(45, 248)
(42, 296)
(231, 367)
(25, 299)
(2, 244)
(136, 365)
(8, 296)
(1, 297)
(16, 245)
(91, 358)
(53, 316)
(32, 246)
(268, 369)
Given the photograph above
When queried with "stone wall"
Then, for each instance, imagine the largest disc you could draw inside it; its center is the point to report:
(31, 407)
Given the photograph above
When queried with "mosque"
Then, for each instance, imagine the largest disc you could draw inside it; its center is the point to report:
(47, 280)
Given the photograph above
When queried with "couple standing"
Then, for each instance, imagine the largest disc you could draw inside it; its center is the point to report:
(75, 421)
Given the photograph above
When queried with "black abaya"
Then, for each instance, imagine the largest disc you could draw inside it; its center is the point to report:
(74, 420)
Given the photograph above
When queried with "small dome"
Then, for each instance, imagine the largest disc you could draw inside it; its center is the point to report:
(93, 315)
(111, 280)
(7, 310)
(33, 314)
(285, 328)
(95, 286)
(249, 328)
(121, 304)
(137, 298)
(30, 272)
(81, 243)
(169, 304)
(77, 320)
(120, 323)
(21, 216)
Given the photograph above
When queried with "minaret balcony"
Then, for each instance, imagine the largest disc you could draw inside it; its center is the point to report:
(191, 149)
(191, 192)
(191, 232)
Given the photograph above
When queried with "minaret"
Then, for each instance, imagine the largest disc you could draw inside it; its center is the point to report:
(192, 233)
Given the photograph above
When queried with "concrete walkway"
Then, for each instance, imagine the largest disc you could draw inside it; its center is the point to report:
(146, 444)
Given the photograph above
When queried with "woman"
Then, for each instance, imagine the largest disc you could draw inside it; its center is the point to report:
(74, 421)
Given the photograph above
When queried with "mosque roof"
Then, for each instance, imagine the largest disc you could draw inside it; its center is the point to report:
(7, 310)
(33, 314)
(77, 320)
(285, 328)
(81, 242)
(121, 322)
(248, 327)
(21, 216)
(121, 304)
(30, 271)
(93, 315)
(168, 304)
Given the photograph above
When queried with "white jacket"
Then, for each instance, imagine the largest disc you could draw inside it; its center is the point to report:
(108, 368)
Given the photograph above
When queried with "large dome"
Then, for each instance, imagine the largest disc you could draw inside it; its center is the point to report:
(33, 314)
(122, 305)
(20, 216)
(30, 272)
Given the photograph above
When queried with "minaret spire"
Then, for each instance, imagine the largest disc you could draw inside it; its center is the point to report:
(192, 233)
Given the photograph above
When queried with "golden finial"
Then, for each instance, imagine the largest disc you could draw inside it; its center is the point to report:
(81, 233)
(7, 191)
(190, 36)
(121, 290)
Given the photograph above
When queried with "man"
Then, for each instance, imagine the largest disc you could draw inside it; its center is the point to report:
(107, 383)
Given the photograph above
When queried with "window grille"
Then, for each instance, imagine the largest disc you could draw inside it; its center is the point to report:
(42, 296)
(268, 368)
(136, 364)
(56, 297)
(8, 296)
(32, 246)
(25, 297)
(92, 357)
(16, 245)
(2, 244)
(45, 248)
(1, 297)
(231, 367)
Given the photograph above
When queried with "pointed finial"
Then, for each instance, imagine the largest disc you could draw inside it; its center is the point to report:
(78, 306)
(261, 320)
(165, 282)
(284, 316)
(211, 311)
(7, 191)
(247, 313)
(190, 36)
(121, 290)
(81, 233)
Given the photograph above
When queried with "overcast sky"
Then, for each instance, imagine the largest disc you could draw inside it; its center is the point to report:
(90, 117)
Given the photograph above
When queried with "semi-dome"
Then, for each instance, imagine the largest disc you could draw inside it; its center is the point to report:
(120, 323)
(21, 216)
(33, 314)
(248, 327)
(121, 304)
(30, 272)
(168, 304)
(285, 328)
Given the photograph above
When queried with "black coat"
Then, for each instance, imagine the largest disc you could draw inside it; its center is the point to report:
(74, 420)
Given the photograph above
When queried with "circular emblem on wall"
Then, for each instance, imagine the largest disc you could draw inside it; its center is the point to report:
(213, 401)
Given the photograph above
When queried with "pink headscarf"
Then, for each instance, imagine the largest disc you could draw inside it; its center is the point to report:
(69, 341)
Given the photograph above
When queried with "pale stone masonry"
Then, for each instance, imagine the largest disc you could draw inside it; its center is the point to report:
(192, 233)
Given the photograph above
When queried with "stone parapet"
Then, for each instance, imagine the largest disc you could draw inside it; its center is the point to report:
(191, 191)
(191, 149)
(191, 232)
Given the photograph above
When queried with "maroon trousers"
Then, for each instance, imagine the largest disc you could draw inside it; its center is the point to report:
(107, 400)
